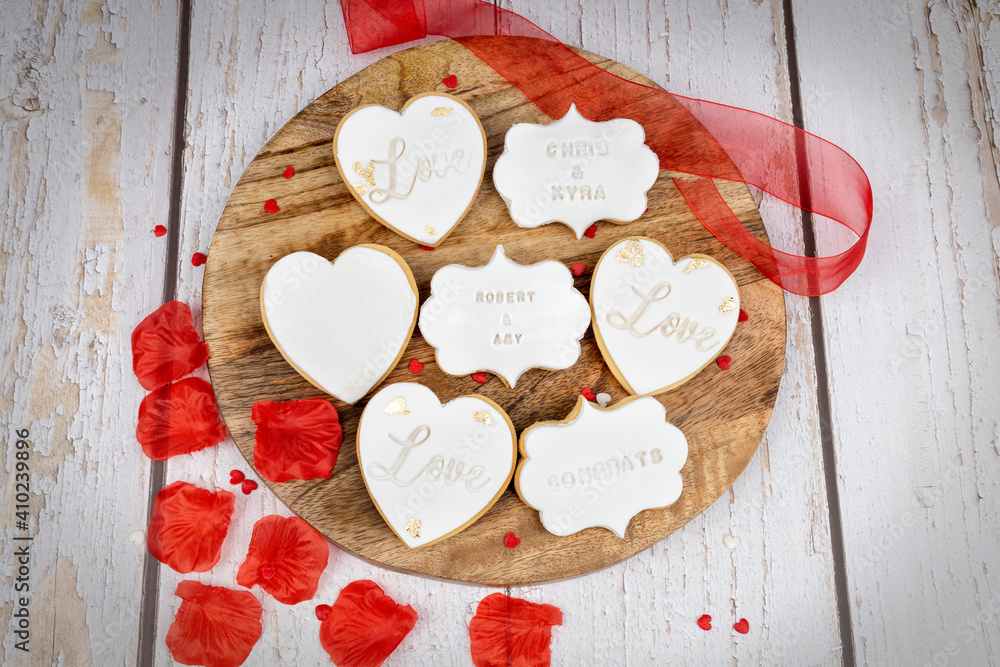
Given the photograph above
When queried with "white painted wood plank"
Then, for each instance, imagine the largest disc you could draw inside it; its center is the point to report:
(253, 66)
(243, 90)
(912, 339)
(781, 576)
(86, 102)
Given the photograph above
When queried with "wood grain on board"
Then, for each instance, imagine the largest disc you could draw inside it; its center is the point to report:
(723, 414)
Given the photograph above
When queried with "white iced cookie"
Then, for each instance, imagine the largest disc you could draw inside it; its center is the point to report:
(575, 171)
(658, 322)
(601, 466)
(341, 325)
(504, 317)
(417, 170)
(433, 469)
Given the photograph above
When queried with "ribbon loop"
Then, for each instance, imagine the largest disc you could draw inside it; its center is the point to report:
(691, 136)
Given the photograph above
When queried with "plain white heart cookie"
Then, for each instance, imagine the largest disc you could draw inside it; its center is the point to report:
(575, 171)
(601, 466)
(418, 170)
(504, 317)
(341, 325)
(433, 469)
(658, 323)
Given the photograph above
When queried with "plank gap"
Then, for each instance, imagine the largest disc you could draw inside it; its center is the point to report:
(819, 351)
(158, 469)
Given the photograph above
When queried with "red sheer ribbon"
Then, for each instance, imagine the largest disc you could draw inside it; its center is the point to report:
(703, 139)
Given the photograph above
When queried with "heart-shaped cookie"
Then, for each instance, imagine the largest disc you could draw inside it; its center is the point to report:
(418, 170)
(433, 469)
(659, 322)
(341, 325)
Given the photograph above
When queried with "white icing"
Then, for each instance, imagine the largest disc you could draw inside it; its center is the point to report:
(648, 355)
(603, 467)
(438, 159)
(504, 317)
(344, 324)
(436, 464)
(575, 171)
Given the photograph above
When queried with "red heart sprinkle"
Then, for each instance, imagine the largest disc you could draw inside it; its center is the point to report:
(416, 366)
(450, 81)
(590, 232)
(248, 486)
(705, 622)
(198, 258)
(271, 206)
(236, 476)
(479, 377)
(588, 394)
(742, 627)
(743, 316)
(268, 571)
(724, 362)
(425, 247)
(511, 540)
(159, 230)
(577, 268)
(289, 171)
(322, 611)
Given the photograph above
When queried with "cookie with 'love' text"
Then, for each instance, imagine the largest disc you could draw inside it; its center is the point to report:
(433, 469)
(659, 322)
(417, 170)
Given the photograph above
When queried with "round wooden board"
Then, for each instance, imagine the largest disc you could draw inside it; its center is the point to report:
(722, 413)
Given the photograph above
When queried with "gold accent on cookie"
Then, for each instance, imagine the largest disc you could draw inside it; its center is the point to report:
(360, 188)
(695, 264)
(413, 527)
(397, 407)
(367, 173)
(430, 230)
(631, 252)
(727, 304)
(441, 111)
(484, 417)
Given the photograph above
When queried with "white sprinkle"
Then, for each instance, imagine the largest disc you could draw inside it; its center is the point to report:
(730, 541)
(137, 537)
(603, 400)
(287, 654)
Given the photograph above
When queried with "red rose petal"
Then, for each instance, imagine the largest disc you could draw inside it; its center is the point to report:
(289, 172)
(742, 626)
(724, 362)
(510, 540)
(416, 366)
(248, 486)
(322, 611)
(236, 476)
(271, 206)
(296, 439)
(198, 258)
(588, 394)
(159, 231)
(590, 232)
(179, 418)
(705, 622)
(166, 346)
(364, 626)
(268, 571)
(425, 247)
(577, 268)
(214, 626)
(450, 81)
(743, 316)
(479, 377)
(188, 526)
(509, 631)
(294, 549)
